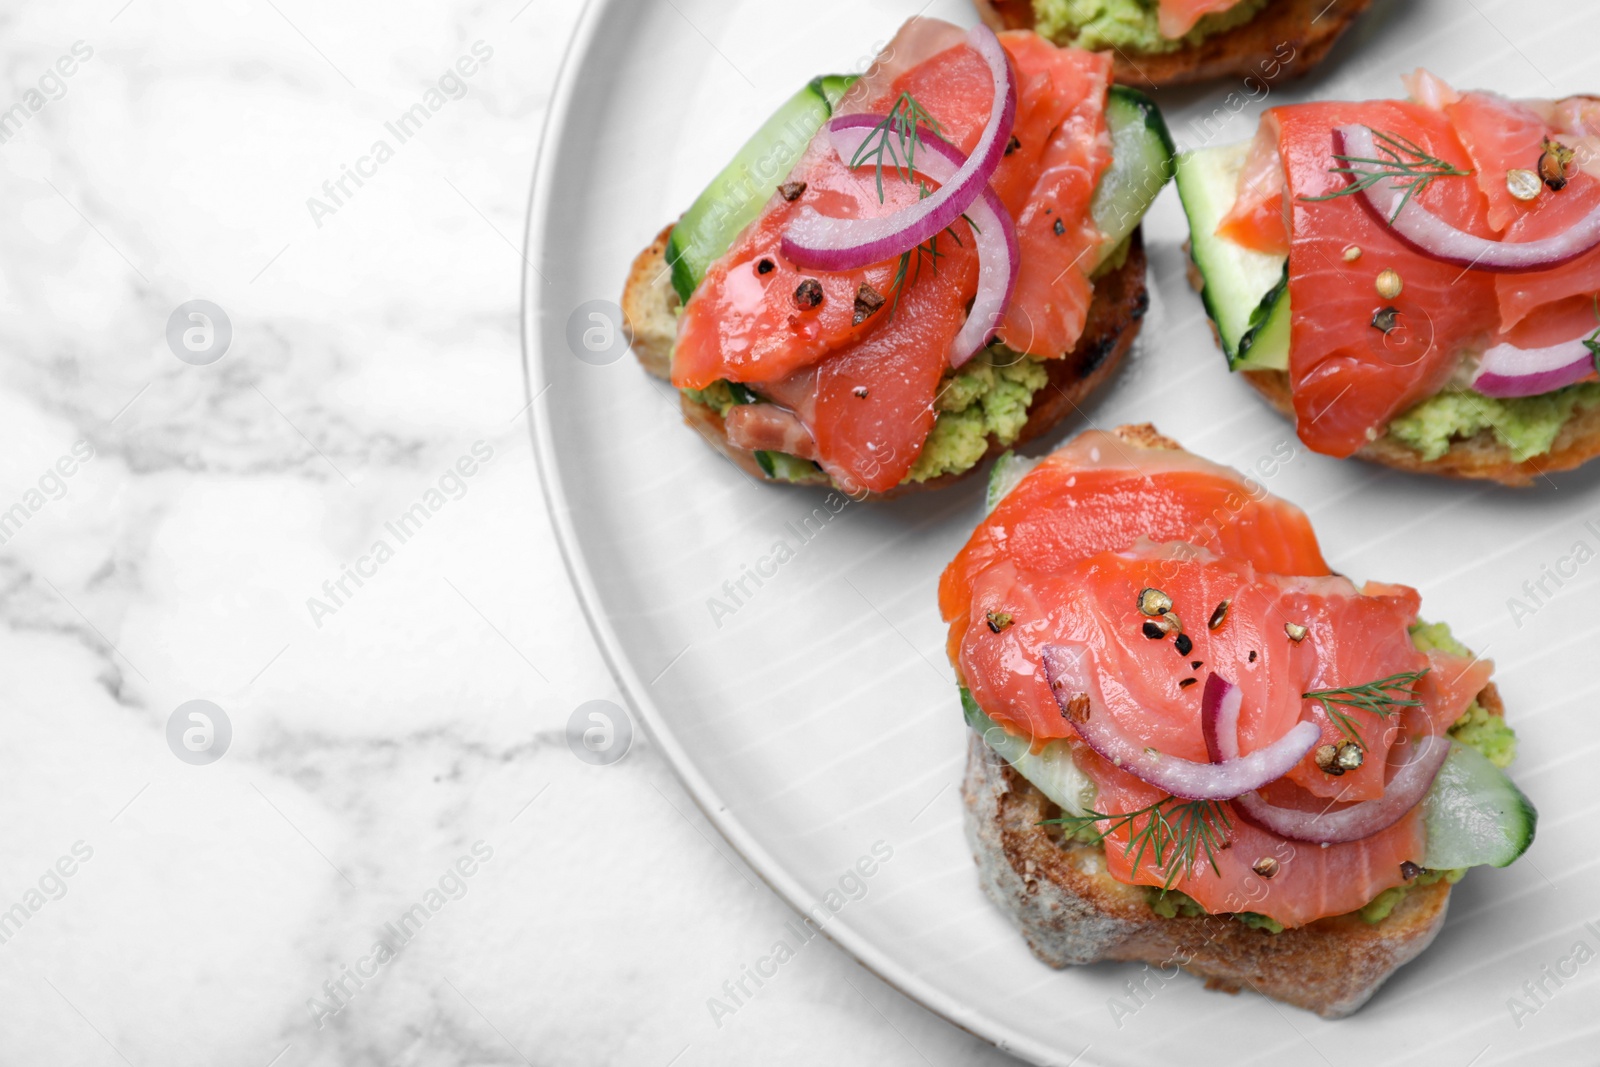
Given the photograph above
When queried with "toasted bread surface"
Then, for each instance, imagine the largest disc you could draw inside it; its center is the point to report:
(1070, 911)
(1290, 37)
(649, 307)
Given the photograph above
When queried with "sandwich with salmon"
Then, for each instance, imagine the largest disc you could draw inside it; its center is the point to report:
(1170, 42)
(1194, 745)
(1413, 281)
(903, 274)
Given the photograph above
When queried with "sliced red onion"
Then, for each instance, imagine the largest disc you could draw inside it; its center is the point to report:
(1069, 670)
(1432, 236)
(1219, 712)
(1507, 371)
(995, 234)
(824, 243)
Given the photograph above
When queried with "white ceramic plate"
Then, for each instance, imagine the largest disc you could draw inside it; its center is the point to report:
(820, 716)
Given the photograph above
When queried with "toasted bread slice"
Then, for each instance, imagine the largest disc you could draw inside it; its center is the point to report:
(1070, 911)
(650, 304)
(1290, 37)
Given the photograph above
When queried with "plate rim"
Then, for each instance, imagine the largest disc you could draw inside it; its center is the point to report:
(640, 705)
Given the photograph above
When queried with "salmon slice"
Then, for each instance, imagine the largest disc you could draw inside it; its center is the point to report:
(869, 435)
(1259, 217)
(1178, 17)
(865, 387)
(744, 323)
(1349, 377)
(1499, 135)
(1052, 558)
(1502, 135)
(1058, 152)
(1099, 493)
(1058, 240)
(1520, 295)
(1310, 882)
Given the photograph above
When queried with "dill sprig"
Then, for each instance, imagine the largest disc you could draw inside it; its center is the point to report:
(1382, 698)
(1175, 833)
(927, 251)
(895, 140)
(1592, 342)
(1405, 161)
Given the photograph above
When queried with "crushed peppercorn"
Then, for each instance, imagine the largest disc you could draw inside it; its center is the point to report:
(998, 620)
(868, 300)
(808, 294)
(791, 191)
(1554, 161)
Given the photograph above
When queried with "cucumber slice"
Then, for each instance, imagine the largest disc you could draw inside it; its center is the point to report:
(1142, 161)
(1474, 815)
(1007, 471)
(1050, 769)
(736, 196)
(1246, 293)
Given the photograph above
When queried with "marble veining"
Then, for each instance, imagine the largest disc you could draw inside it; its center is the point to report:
(231, 910)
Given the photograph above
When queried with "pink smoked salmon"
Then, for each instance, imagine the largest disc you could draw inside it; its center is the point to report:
(1066, 555)
(1177, 17)
(742, 323)
(1350, 379)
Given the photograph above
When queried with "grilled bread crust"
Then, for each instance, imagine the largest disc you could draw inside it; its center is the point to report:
(1070, 911)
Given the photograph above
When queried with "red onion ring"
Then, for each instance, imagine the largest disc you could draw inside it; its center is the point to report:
(1432, 236)
(1219, 712)
(994, 233)
(824, 243)
(1068, 669)
(1507, 371)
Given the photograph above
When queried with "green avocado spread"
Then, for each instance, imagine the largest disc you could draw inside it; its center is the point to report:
(989, 396)
(1128, 25)
(1527, 425)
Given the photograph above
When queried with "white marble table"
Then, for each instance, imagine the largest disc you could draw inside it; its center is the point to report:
(246, 530)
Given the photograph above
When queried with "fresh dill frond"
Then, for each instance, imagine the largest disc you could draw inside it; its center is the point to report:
(1382, 698)
(1592, 342)
(1405, 161)
(1174, 833)
(927, 251)
(895, 140)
